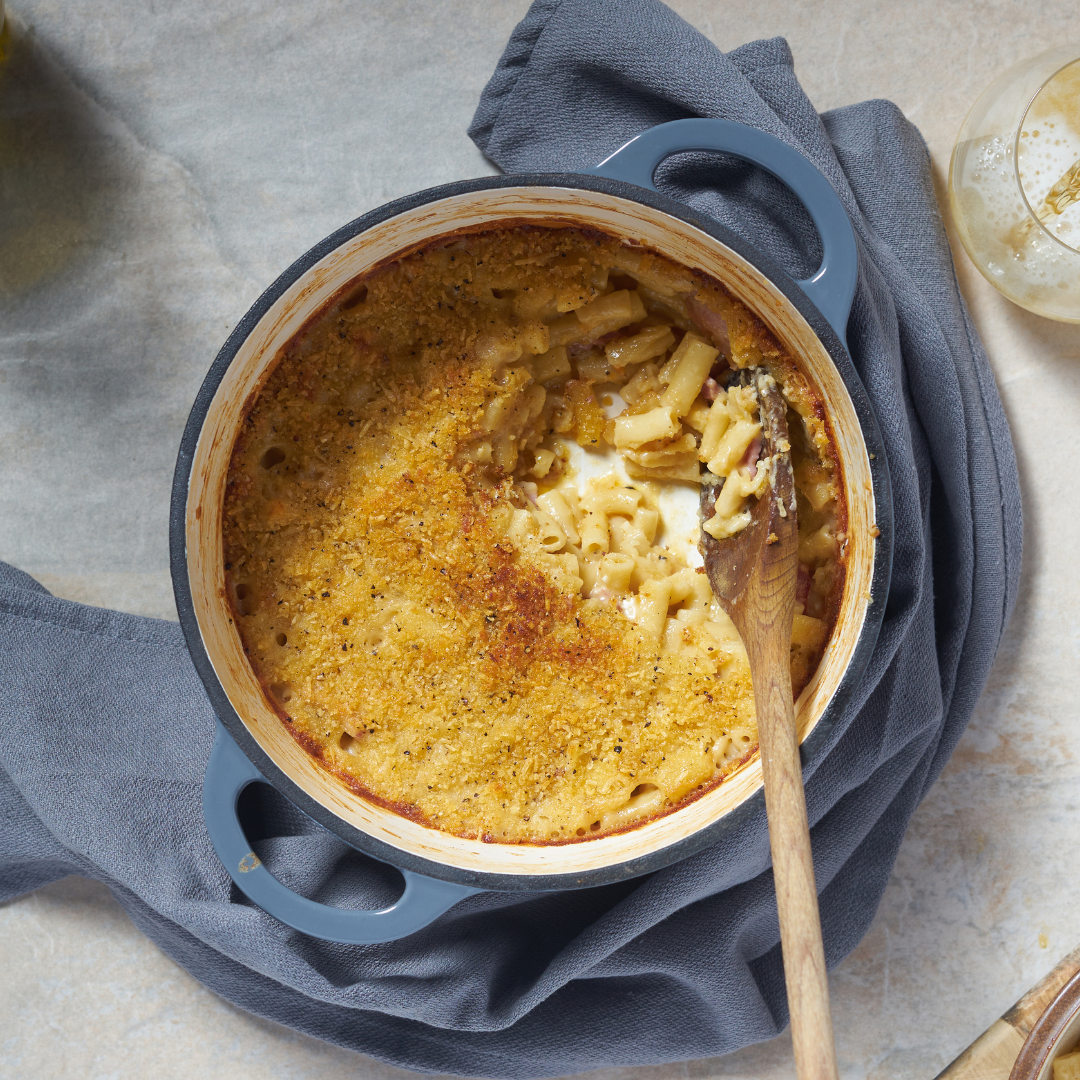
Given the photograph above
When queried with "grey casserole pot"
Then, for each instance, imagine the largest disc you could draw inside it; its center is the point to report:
(618, 197)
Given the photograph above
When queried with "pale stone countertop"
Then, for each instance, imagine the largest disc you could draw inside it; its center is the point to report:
(228, 139)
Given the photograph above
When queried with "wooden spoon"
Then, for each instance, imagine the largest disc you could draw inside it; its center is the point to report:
(753, 574)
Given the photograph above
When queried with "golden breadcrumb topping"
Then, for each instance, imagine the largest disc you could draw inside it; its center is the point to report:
(448, 600)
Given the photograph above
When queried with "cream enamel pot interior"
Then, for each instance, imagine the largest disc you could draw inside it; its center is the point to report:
(252, 743)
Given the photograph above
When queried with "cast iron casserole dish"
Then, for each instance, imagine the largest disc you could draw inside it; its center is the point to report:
(809, 318)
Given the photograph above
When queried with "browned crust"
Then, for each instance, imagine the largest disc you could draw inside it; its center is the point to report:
(412, 813)
(530, 603)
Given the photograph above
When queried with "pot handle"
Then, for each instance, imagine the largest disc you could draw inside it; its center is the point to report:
(832, 288)
(228, 772)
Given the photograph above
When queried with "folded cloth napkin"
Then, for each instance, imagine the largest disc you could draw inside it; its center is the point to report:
(107, 730)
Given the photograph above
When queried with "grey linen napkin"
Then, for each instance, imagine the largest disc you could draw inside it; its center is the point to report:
(107, 730)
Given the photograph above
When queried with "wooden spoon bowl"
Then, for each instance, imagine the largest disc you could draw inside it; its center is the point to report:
(754, 575)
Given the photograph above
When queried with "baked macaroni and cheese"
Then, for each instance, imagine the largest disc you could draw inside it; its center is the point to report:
(461, 533)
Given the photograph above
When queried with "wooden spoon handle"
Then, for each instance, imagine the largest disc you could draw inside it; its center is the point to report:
(793, 872)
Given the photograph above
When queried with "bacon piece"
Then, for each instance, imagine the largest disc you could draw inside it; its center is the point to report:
(750, 458)
(802, 585)
(711, 390)
(710, 323)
